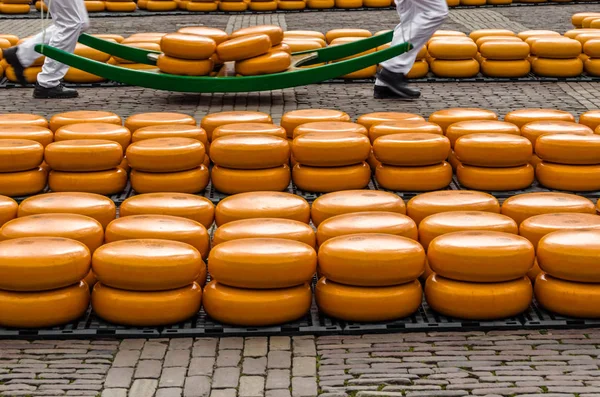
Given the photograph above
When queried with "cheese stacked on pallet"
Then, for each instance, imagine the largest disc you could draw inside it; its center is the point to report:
(213, 121)
(173, 131)
(370, 277)
(592, 49)
(260, 281)
(426, 204)
(168, 165)
(147, 282)
(120, 5)
(41, 281)
(502, 58)
(412, 162)
(86, 165)
(557, 57)
(22, 172)
(453, 57)
(479, 275)
(186, 54)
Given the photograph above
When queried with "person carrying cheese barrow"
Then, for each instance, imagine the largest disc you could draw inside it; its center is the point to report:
(70, 19)
(419, 19)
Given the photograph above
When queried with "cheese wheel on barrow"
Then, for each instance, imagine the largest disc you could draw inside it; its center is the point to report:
(190, 181)
(249, 152)
(536, 227)
(265, 228)
(244, 47)
(269, 63)
(165, 154)
(523, 206)
(83, 116)
(184, 67)
(274, 32)
(104, 131)
(31, 132)
(331, 179)
(107, 182)
(83, 155)
(423, 205)
(187, 46)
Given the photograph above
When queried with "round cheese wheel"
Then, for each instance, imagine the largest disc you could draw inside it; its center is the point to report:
(244, 47)
(444, 118)
(567, 298)
(477, 34)
(140, 120)
(20, 155)
(339, 33)
(265, 228)
(41, 135)
(592, 66)
(184, 67)
(495, 179)
(535, 129)
(303, 33)
(455, 68)
(24, 183)
(249, 129)
(187, 46)
(170, 131)
(331, 149)
(146, 308)
(262, 205)
(190, 181)
(478, 301)
(211, 121)
(95, 206)
(504, 39)
(523, 206)
(107, 182)
(298, 44)
(570, 255)
(493, 150)
(233, 6)
(577, 19)
(523, 116)
(83, 116)
(249, 152)
(72, 226)
(217, 35)
(575, 178)
(569, 149)
(590, 118)
(416, 149)
(43, 309)
(414, 179)
(532, 33)
(455, 33)
(419, 70)
(269, 63)
(452, 49)
(556, 48)
(95, 5)
(104, 131)
(511, 69)
(504, 50)
(331, 179)
(165, 154)
(152, 45)
(53, 262)
(8, 209)
(558, 67)
(350, 201)
(371, 260)
(402, 127)
(369, 120)
(423, 205)
(274, 32)
(295, 118)
(536, 227)
(22, 119)
(248, 307)
(127, 6)
(91, 53)
(480, 256)
(83, 155)
(161, 5)
(368, 304)
(233, 181)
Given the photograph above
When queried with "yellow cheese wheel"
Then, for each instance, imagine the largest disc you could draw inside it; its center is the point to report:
(42, 263)
(104, 131)
(518, 68)
(414, 179)
(140, 120)
(442, 32)
(452, 49)
(556, 48)
(249, 129)
(93, 205)
(262, 205)
(350, 201)
(592, 66)
(536, 227)
(188, 206)
(495, 179)
(293, 119)
(211, 121)
(91, 53)
(190, 181)
(247, 307)
(187, 46)
(265, 228)
(8, 209)
(523, 116)
(369, 120)
(233, 181)
(575, 178)
(30, 132)
(535, 129)
(244, 47)
(161, 5)
(455, 68)
(480, 256)
(558, 67)
(233, 6)
(274, 32)
(72, 226)
(477, 34)
(402, 127)
(165, 154)
(339, 33)
(368, 304)
(249, 152)
(371, 260)
(146, 308)
(416, 149)
(523, 206)
(269, 63)
(590, 118)
(6, 8)
(385, 222)
(20, 154)
(577, 19)
(217, 35)
(22, 119)
(148, 46)
(83, 155)
(298, 44)
(532, 33)
(43, 309)
(331, 149)
(331, 179)
(24, 183)
(478, 301)
(303, 33)
(569, 149)
(184, 67)
(573, 299)
(585, 37)
(419, 70)
(170, 131)
(503, 39)
(423, 205)
(95, 5)
(128, 6)
(444, 118)
(83, 116)
(493, 150)
(107, 182)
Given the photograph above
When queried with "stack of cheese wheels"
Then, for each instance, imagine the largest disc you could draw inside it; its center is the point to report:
(168, 165)
(103, 131)
(161, 5)
(260, 281)
(41, 281)
(86, 165)
(339, 33)
(504, 58)
(296, 118)
(331, 161)
(592, 49)
(120, 5)
(569, 162)
(557, 57)
(21, 170)
(426, 204)
(479, 275)
(494, 162)
(365, 73)
(570, 284)
(370, 277)
(453, 57)
(212, 121)
(147, 282)
(245, 163)
(412, 162)
(577, 19)
(15, 7)
(95, 5)
(186, 54)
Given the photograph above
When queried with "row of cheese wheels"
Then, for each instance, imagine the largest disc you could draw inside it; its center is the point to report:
(478, 3)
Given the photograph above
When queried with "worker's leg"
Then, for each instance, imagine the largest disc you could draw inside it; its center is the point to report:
(26, 51)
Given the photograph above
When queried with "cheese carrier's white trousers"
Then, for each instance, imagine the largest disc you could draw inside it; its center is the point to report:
(70, 19)
(419, 19)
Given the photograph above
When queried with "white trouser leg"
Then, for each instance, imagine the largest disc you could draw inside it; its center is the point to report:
(26, 52)
(419, 19)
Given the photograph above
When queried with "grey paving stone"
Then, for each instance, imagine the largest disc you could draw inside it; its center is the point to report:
(304, 366)
(223, 393)
(231, 343)
(143, 388)
(256, 347)
(279, 343)
(126, 358)
(437, 393)
(507, 391)
(172, 377)
(304, 387)
(378, 394)
(181, 343)
(148, 369)
(278, 393)
(279, 359)
(229, 358)
(278, 379)
(201, 366)
(226, 377)
(169, 392)
(177, 358)
(197, 386)
(254, 366)
(119, 377)
(114, 393)
(205, 347)
(252, 386)
(153, 351)
(304, 347)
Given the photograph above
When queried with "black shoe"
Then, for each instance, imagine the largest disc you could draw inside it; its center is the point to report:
(58, 92)
(10, 54)
(383, 92)
(398, 84)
